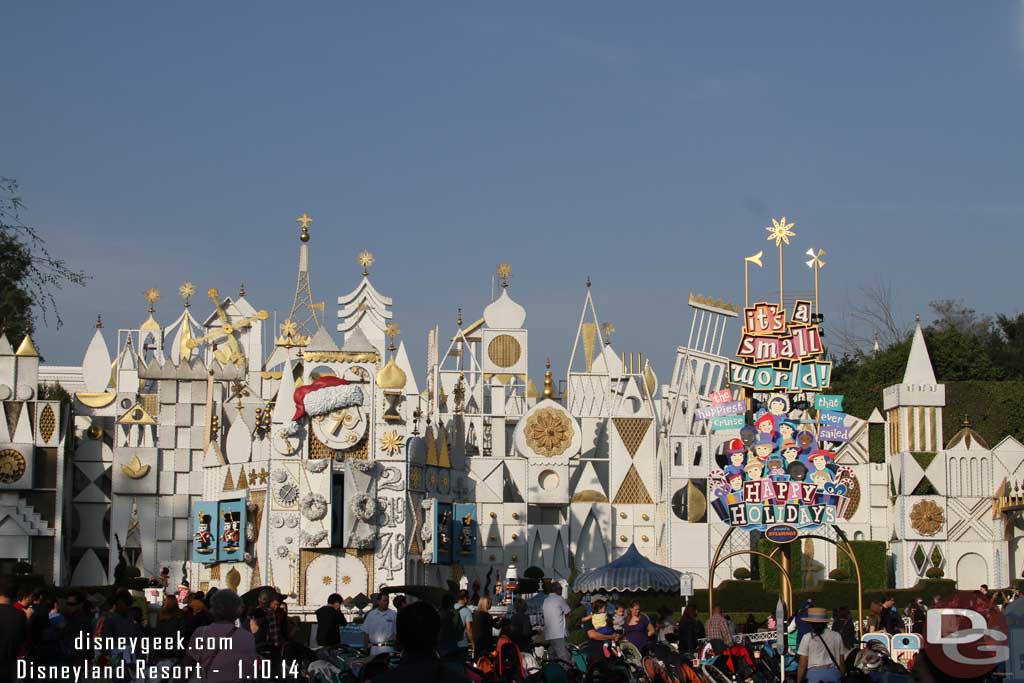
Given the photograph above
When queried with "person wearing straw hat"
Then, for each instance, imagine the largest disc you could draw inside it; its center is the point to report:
(821, 651)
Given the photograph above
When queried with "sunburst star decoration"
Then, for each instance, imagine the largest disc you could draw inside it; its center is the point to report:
(780, 232)
(187, 291)
(365, 259)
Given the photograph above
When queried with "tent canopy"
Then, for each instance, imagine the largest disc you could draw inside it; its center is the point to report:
(631, 572)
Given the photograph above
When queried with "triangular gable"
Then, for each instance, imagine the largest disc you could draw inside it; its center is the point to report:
(136, 415)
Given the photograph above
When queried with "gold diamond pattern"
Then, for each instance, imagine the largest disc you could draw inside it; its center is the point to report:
(47, 423)
(632, 491)
(632, 431)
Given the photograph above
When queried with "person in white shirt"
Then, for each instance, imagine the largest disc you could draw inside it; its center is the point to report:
(555, 609)
(822, 655)
(379, 625)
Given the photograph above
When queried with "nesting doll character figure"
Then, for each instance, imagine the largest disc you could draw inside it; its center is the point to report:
(466, 535)
(821, 477)
(765, 426)
(203, 538)
(183, 592)
(754, 471)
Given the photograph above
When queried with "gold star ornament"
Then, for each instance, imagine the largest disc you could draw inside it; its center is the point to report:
(187, 291)
(365, 260)
(779, 232)
(152, 295)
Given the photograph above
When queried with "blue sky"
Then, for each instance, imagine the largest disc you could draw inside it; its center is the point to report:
(644, 145)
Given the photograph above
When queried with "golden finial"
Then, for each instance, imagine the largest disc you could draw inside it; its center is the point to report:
(392, 331)
(967, 421)
(549, 390)
(607, 328)
(588, 282)
(99, 322)
(504, 272)
(241, 290)
(152, 295)
(917, 317)
(186, 291)
(304, 220)
(365, 259)
(458, 317)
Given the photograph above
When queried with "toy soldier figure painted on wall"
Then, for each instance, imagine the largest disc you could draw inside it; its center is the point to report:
(466, 535)
(442, 530)
(203, 539)
(230, 535)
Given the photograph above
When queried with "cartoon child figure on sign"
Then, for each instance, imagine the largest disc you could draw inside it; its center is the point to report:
(787, 430)
(819, 461)
(764, 448)
(737, 452)
(765, 426)
(806, 439)
(776, 468)
(754, 471)
(797, 471)
(790, 451)
(778, 408)
(734, 476)
(466, 535)
(202, 538)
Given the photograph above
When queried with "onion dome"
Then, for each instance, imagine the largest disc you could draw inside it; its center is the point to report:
(391, 377)
(504, 314)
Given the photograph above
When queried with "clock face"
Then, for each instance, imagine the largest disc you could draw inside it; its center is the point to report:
(341, 429)
(12, 466)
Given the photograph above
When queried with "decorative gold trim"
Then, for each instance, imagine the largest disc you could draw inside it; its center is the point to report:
(26, 349)
(47, 422)
(632, 491)
(341, 356)
(504, 350)
(135, 469)
(95, 399)
(589, 496)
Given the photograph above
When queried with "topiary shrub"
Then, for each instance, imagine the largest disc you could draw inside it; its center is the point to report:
(935, 573)
(873, 558)
(741, 573)
(533, 573)
(839, 574)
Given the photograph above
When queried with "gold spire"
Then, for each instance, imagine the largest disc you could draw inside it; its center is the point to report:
(241, 290)
(392, 330)
(365, 260)
(26, 348)
(549, 390)
(504, 271)
(304, 220)
(458, 318)
(99, 321)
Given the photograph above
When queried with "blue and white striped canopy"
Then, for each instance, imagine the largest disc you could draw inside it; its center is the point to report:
(631, 572)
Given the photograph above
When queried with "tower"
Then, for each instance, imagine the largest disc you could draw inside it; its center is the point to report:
(303, 319)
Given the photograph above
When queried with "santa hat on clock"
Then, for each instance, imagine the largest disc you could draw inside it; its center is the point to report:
(323, 396)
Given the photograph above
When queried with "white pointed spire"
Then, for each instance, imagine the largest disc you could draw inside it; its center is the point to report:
(402, 360)
(919, 365)
(96, 364)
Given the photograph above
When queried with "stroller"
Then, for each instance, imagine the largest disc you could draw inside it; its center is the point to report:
(612, 667)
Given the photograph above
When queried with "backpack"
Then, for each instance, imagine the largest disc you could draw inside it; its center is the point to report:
(509, 663)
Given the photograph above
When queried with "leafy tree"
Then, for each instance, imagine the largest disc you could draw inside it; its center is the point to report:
(29, 273)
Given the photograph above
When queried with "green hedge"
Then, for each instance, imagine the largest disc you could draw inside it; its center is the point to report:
(873, 558)
(770, 580)
(995, 409)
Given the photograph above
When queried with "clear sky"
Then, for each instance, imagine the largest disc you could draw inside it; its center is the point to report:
(644, 144)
